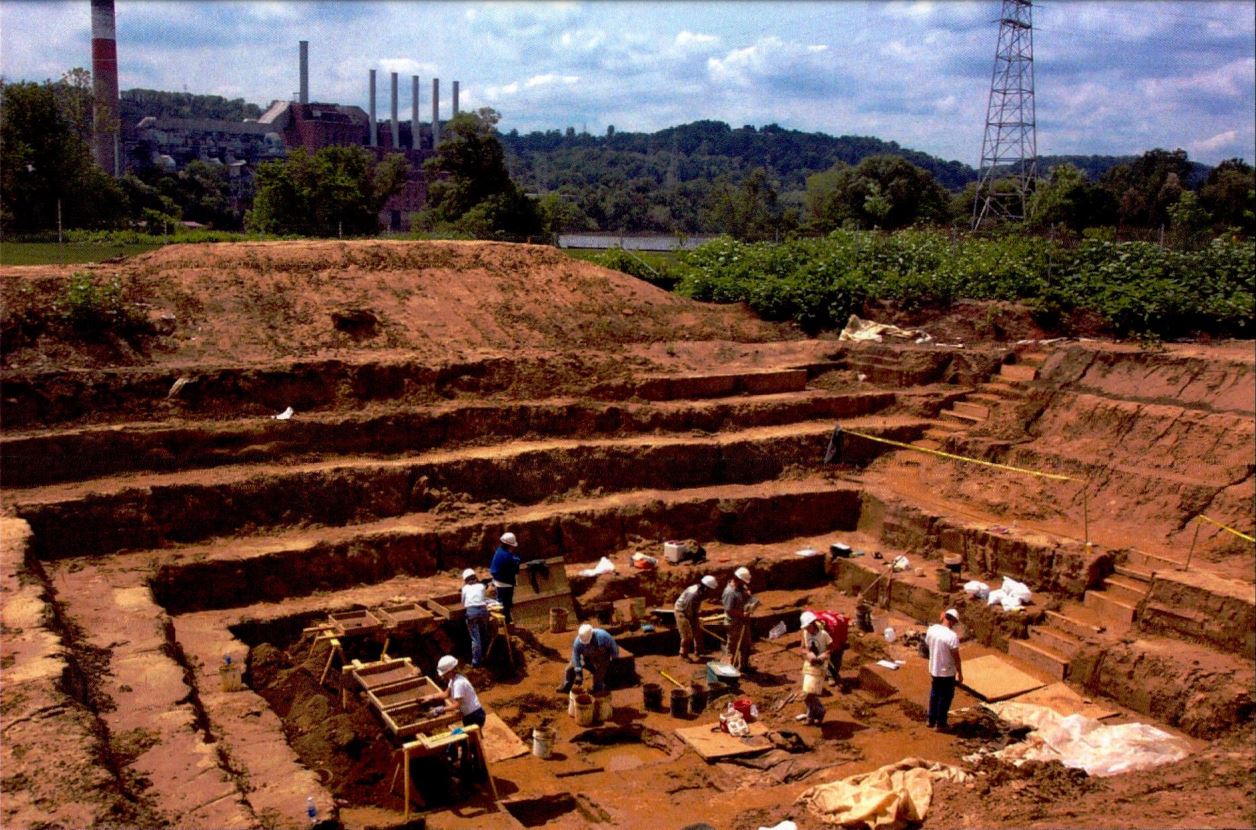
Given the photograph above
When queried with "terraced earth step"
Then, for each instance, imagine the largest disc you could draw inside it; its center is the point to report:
(927, 444)
(118, 514)
(940, 432)
(1150, 562)
(231, 572)
(973, 408)
(1078, 622)
(1043, 658)
(1004, 389)
(987, 399)
(1018, 371)
(1134, 574)
(960, 417)
(707, 385)
(1056, 639)
(152, 724)
(1126, 590)
(1110, 607)
(56, 455)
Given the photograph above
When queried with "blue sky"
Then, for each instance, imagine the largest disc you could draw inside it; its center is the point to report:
(1111, 77)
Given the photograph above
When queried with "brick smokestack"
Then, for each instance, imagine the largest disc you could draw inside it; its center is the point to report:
(396, 125)
(414, 111)
(435, 113)
(371, 138)
(455, 101)
(105, 125)
(303, 96)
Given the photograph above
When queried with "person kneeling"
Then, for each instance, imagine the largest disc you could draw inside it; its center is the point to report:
(593, 649)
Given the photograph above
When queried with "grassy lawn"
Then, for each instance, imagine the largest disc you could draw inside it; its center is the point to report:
(71, 253)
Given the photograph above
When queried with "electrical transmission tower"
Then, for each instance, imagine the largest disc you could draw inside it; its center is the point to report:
(1009, 149)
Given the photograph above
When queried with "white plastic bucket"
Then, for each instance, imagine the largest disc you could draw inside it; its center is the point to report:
(812, 678)
(542, 742)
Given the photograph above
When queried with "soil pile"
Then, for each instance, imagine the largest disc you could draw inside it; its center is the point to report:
(254, 302)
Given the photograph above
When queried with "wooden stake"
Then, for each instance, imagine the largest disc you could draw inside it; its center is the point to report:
(1086, 512)
(1194, 539)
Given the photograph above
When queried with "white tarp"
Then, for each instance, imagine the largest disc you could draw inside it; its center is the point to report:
(1084, 743)
(861, 330)
(891, 797)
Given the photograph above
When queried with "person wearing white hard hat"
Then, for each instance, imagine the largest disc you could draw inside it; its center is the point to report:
(737, 604)
(593, 649)
(945, 667)
(505, 571)
(459, 693)
(474, 601)
(688, 607)
(816, 650)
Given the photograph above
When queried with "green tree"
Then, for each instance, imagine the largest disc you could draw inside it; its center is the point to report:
(336, 191)
(45, 162)
(1230, 195)
(1067, 199)
(749, 211)
(882, 191)
(1144, 189)
(470, 189)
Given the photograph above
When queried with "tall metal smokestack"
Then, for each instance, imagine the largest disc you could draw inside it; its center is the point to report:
(304, 94)
(435, 113)
(105, 87)
(414, 111)
(372, 138)
(455, 115)
(396, 125)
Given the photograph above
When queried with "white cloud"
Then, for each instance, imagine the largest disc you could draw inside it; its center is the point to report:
(1220, 141)
(406, 66)
(1233, 80)
(687, 39)
(550, 80)
(911, 11)
(583, 39)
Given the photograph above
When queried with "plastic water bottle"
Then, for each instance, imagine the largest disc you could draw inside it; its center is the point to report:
(311, 810)
(889, 634)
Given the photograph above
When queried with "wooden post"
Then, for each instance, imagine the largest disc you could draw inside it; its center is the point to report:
(488, 773)
(405, 773)
(1194, 539)
(1086, 512)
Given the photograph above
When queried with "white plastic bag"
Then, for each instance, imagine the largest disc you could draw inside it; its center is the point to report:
(977, 590)
(777, 631)
(1017, 589)
(604, 566)
(995, 597)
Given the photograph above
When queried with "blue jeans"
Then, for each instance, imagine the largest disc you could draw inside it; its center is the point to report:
(941, 693)
(477, 627)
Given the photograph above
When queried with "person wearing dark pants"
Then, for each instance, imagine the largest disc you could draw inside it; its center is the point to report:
(945, 667)
(477, 615)
(459, 695)
(505, 571)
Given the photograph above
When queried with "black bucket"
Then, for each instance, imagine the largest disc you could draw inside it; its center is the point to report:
(652, 697)
(697, 698)
(680, 703)
(863, 617)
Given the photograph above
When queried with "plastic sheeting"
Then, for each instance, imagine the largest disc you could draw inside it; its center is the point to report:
(604, 566)
(861, 330)
(1084, 743)
(889, 798)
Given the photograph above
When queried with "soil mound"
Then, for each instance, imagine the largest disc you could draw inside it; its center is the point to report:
(260, 301)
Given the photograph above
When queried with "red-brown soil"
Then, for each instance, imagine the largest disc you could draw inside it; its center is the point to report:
(445, 392)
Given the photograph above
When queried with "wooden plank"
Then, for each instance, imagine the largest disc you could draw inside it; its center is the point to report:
(991, 678)
(500, 743)
(1061, 698)
(712, 743)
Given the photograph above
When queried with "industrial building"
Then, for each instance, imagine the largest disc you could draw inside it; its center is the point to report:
(171, 143)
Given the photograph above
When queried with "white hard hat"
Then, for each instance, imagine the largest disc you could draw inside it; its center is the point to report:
(710, 582)
(585, 633)
(806, 619)
(446, 664)
(743, 574)
(953, 614)
(469, 573)
(509, 539)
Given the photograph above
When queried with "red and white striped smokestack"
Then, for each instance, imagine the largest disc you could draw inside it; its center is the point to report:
(105, 87)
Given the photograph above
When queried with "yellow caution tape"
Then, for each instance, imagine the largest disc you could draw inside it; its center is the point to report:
(952, 456)
(1227, 528)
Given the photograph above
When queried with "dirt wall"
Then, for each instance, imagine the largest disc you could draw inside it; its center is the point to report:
(1202, 607)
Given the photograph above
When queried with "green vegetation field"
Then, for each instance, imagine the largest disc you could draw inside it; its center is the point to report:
(71, 253)
(1138, 288)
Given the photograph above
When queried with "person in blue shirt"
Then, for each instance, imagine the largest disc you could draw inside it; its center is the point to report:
(593, 649)
(505, 571)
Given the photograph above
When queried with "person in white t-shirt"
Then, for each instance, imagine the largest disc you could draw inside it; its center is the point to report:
(945, 667)
(816, 648)
(477, 615)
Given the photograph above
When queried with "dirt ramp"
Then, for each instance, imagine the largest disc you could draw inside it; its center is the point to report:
(254, 302)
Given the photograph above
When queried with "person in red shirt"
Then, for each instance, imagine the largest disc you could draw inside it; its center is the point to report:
(838, 626)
